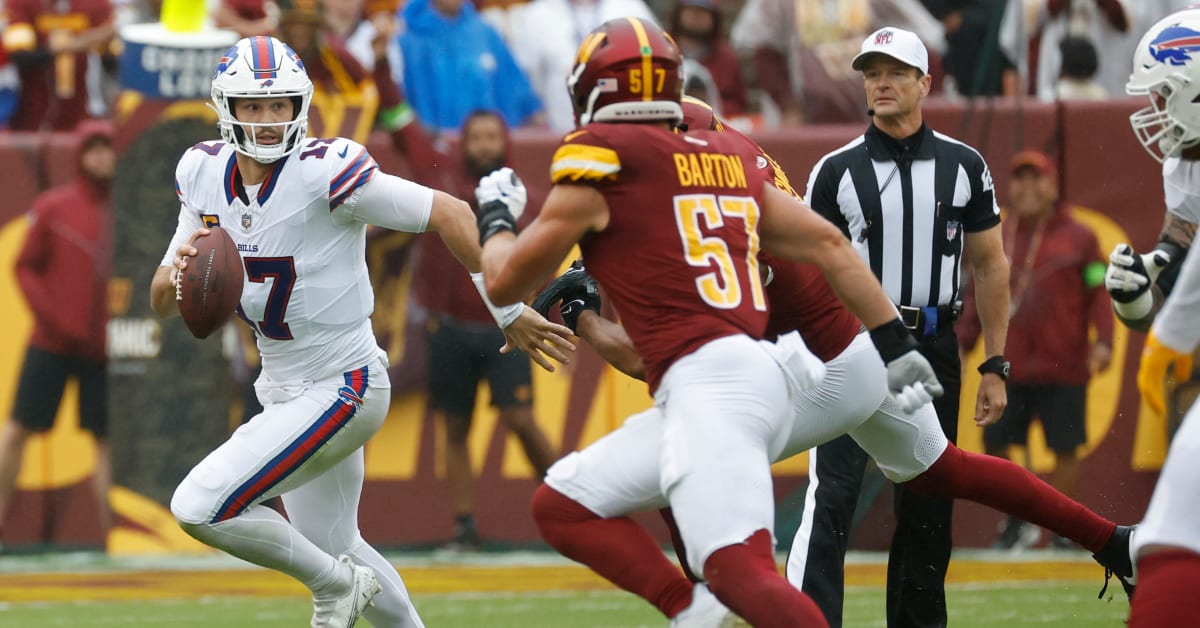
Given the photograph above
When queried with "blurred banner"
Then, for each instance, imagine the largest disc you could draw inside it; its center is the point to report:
(174, 397)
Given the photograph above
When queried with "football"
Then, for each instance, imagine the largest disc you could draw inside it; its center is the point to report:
(211, 285)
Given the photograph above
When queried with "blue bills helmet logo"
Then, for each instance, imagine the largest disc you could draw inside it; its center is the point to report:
(226, 61)
(294, 57)
(1175, 45)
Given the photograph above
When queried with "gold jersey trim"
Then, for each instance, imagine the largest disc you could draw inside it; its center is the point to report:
(577, 162)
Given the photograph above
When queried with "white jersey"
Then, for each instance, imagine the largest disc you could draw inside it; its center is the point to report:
(1181, 188)
(1175, 324)
(307, 293)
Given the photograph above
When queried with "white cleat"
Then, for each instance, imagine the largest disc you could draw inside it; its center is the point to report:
(345, 611)
(706, 611)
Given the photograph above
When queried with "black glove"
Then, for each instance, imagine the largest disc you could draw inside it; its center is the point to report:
(494, 217)
(577, 292)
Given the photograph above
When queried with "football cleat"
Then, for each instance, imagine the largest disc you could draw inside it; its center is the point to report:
(1117, 559)
(345, 611)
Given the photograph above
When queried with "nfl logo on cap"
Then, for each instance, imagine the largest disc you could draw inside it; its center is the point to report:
(897, 43)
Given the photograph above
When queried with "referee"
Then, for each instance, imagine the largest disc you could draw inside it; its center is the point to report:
(907, 197)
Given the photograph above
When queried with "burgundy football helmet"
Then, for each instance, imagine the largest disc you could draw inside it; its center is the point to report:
(698, 114)
(627, 70)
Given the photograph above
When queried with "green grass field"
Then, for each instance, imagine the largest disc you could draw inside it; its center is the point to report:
(1030, 604)
(505, 592)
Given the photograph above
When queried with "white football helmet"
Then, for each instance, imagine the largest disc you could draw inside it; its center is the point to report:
(261, 67)
(1166, 67)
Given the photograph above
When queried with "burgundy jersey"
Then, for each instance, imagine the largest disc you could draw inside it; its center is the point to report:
(801, 300)
(679, 257)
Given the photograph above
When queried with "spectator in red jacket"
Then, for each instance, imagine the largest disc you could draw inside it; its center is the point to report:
(63, 269)
(1057, 284)
(709, 59)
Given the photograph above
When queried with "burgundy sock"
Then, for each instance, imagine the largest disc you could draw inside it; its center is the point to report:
(617, 548)
(745, 579)
(1168, 590)
(1012, 489)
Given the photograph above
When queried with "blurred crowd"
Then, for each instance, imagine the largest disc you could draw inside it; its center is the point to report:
(761, 63)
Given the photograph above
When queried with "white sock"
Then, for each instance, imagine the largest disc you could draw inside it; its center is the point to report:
(334, 584)
(262, 536)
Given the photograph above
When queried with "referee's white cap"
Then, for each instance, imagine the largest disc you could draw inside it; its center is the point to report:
(902, 45)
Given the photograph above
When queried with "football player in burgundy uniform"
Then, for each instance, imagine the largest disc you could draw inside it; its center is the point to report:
(852, 398)
(671, 226)
(298, 209)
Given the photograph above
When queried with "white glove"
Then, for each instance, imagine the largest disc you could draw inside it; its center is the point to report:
(912, 398)
(1129, 277)
(912, 382)
(505, 186)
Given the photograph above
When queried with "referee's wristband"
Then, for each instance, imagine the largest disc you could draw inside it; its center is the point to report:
(893, 340)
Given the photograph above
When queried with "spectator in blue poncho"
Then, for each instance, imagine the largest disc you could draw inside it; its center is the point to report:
(454, 63)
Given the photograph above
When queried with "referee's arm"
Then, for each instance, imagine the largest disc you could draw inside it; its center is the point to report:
(989, 267)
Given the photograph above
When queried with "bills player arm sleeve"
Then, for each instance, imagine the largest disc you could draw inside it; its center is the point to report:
(1176, 324)
(189, 219)
(163, 291)
(359, 191)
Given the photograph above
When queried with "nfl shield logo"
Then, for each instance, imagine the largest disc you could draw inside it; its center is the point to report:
(245, 221)
(883, 38)
(951, 229)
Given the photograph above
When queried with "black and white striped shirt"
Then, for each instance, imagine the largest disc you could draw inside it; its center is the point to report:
(905, 205)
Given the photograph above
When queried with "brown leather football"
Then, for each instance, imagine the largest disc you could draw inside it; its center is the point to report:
(211, 286)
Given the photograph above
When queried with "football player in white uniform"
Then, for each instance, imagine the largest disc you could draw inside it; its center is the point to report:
(298, 209)
(1166, 68)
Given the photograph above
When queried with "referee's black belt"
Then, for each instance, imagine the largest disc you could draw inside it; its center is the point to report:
(930, 320)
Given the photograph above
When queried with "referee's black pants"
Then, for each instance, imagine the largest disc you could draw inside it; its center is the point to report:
(920, 553)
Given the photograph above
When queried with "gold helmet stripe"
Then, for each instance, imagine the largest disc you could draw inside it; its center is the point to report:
(588, 47)
(647, 58)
